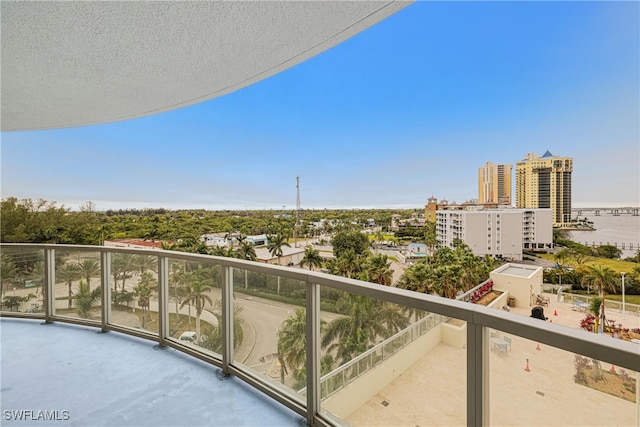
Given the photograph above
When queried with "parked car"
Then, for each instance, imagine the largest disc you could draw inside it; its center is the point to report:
(189, 337)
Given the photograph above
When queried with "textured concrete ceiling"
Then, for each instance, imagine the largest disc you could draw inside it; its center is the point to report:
(67, 64)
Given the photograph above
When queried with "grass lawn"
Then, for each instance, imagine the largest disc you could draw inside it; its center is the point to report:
(628, 299)
(615, 264)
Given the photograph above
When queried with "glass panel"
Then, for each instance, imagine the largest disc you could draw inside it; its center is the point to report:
(134, 293)
(77, 291)
(22, 277)
(195, 309)
(535, 384)
(384, 358)
(270, 326)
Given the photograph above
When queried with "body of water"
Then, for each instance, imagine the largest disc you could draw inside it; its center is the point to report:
(611, 230)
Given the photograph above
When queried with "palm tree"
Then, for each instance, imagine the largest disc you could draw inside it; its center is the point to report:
(86, 298)
(8, 271)
(275, 249)
(430, 235)
(377, 268)
(347, 264)
(365, 321)
(275, 245)
(89, 268)
(418, 278)
(67, 274)
(602, 277)
(121, 267)
(197, 287)
(292, 341)
(143, 263)
(222, 251)
(143, 291)
(248, 252)
(311, 258)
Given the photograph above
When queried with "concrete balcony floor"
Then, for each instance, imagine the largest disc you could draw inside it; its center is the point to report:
(116, 380)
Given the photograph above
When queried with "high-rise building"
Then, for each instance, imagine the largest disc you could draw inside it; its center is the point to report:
(494, 184)
(545, 182)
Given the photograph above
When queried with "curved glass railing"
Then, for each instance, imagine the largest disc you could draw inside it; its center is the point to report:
(330, 348)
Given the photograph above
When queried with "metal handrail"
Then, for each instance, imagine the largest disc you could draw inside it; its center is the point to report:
(479, 319)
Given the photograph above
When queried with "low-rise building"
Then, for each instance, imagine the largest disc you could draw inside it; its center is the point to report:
(290, 256)
(134, 243)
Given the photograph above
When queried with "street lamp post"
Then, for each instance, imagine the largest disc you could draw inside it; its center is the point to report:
(623, 273)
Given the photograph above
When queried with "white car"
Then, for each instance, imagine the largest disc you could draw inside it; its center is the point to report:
(189, 337)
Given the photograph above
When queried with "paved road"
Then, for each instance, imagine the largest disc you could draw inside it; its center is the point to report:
(264, 317)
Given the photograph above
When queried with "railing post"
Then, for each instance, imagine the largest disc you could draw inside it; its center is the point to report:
(477, 375)
(227, 320)
(163, 299)
(105, 277)
(313, 351)
(49, 283)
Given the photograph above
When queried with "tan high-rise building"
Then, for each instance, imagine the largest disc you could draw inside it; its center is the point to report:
(545, 182)
(494, 184)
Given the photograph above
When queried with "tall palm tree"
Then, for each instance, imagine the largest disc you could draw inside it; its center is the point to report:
(276, 242)
(86, 298)
(418, 278)
(364, 322)
(430, 235)
(378, 269)
(198, 285)
(222, 251)
(68, 273)
(311, 258)
(603, 278)
(143, 291)
(122, 267)
(347, 264)
(89, 268)
(246, 251)
(8, 271)
(292, 339)
(144, 263)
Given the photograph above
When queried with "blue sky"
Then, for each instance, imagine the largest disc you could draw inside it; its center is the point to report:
(407, 109)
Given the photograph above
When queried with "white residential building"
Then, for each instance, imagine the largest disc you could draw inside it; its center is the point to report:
(496, 232)
(537, 228)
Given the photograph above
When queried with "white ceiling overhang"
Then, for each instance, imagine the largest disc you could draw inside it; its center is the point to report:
(66, 64)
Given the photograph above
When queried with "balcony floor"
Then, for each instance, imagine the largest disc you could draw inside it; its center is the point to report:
(116, 380)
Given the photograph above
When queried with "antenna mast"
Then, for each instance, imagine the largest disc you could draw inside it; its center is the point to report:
(297, 226)
(298, 201)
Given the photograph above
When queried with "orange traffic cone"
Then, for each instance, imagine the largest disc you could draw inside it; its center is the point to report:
(613, 369)
(526, 368)
(538, 347)
(555, 313)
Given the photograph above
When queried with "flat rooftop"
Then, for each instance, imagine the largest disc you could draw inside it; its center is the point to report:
(112, 379)
(518, 270)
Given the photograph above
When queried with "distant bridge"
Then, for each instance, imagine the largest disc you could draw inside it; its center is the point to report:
(627, 210)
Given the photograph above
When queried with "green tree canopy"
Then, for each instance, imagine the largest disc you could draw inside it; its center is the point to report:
(346, 240)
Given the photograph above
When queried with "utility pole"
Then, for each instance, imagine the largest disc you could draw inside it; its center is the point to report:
(297, 226)
(623, 308)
